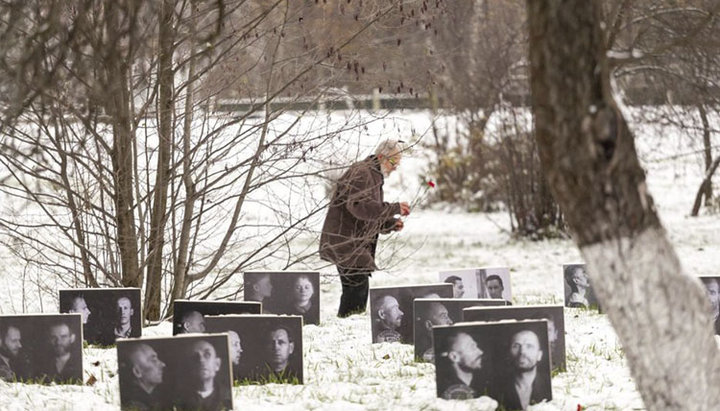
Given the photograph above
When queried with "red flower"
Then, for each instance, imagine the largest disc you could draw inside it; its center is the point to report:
(580, 407)
(431, 184)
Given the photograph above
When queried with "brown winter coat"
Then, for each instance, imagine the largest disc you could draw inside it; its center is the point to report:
(356, 215)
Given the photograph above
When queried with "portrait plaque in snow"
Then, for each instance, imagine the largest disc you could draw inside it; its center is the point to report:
(189, 316)
(188, 372)
(464, 282)
(41, 348)
(552, 313)
(578, 291)
(391, 310)
(494, 282)
(429, 312)
(712, 287)
(485, 282)
(480, 358)
(263, 348)
(285, 292)
(107, 313)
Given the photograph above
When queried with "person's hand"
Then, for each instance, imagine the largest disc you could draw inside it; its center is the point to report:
(404, 208)
(398, 225)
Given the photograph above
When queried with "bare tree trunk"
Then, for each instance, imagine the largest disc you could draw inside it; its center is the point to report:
(165, 132)
(708, 152)
(181, 269)
(118, 107)
(588, 154)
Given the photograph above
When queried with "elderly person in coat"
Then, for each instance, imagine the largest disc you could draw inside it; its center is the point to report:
(356, 215)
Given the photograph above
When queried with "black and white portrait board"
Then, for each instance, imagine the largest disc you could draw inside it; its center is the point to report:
(108, 313)
(711, 284)
(464, 282)
(263, 348)
(554, 314)
(42, 348)
(507, 361)
(578, 290)
(494, 282)
(391, 310)
(429, 312)
(285, 292)
(188, 372)
(189, 316)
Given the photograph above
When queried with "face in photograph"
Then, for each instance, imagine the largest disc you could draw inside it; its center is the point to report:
(495, 286)
(205, 360)
(10, 346)
(389, 312)
(124, 311)
(302, 290)
(458, 286)
(78, 305)
(525, 352)
(61, 339)
(465, 353)
(147, 368)
(11, 342)
(579, 277)
(437, 314)
(193, 322)
(261, 288)
(279, 347)
(235, 347)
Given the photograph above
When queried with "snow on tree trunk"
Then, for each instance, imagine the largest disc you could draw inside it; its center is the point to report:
(660, 314)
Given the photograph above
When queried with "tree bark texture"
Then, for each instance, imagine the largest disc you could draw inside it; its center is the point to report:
(661, 315)
(158, 217)
(118, 107)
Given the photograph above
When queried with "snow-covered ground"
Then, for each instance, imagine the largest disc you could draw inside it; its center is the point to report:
(344, 371)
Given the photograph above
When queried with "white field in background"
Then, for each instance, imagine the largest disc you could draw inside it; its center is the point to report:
(344, 371)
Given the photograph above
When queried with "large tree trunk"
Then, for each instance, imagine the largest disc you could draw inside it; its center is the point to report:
(165, 133)
(589, 157)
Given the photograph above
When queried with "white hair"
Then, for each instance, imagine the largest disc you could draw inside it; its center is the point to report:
(388, 148)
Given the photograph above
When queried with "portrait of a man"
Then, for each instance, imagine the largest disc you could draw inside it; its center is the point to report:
(78, 305)
(458, 286)
(577, 279)
(263, 348)
(64, 362)
(460, 361)
(187, 372)
(204, 392)
(432, 314)
(523, 385)
(388, 318)
(279, 347)
(236, 351)
(192, 322)
(107, 313)
(41, 348)
(189, 315)
(391, 310)
(10, 346)
(146, 371)
(553, 314)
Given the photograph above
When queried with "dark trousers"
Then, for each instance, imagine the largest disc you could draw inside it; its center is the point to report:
(355, 285)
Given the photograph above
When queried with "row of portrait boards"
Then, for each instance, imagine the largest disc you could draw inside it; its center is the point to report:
(111, 313)
(494, 283)
(190, 371)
